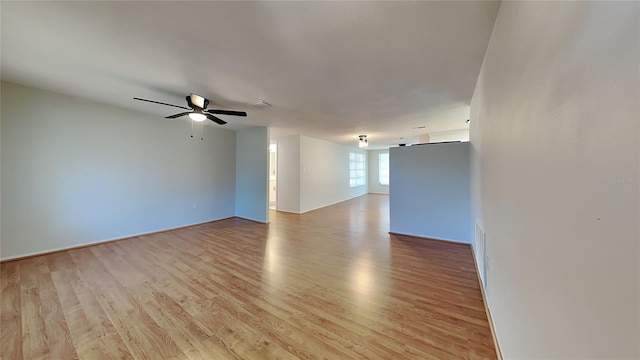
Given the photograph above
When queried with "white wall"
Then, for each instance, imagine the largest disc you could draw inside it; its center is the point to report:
(288, 194)
(76, 172)
(313, 173)
(451, 135)
(555, 132)
(252, 174)
(429, 191)
(324, 173)
(374, 180)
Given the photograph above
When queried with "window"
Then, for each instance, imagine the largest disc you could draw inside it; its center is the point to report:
(356, 169)
(383, 169)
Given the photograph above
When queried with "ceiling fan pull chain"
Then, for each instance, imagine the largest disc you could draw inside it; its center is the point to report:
(202, 131)
(192, 129)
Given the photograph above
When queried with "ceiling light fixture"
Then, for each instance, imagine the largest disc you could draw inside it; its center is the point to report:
(197, 116)
(363, 141)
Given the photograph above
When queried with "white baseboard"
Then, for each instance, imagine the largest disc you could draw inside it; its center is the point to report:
(287, 211)
(81, 245)
(319, 207)
(253, 220)
(430, 238)
(337, 202)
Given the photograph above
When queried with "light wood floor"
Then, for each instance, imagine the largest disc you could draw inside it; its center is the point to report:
(330, 284)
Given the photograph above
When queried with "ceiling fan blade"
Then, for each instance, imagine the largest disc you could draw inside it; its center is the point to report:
(178, 115)
(227, 112)
(215, 119)
(161, 103)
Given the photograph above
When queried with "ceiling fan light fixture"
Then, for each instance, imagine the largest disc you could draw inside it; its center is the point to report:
(197, 116)
(363, 143)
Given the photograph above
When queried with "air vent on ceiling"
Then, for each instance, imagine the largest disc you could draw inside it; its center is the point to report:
(259, 104)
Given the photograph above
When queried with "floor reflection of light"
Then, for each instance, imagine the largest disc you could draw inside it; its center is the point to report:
(383, 219)
(362, 281)
(272, 265)
(357, 220)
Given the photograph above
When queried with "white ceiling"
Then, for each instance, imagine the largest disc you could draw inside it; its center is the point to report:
(331, 70)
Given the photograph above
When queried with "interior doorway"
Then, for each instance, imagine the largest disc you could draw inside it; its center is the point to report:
(273, 175)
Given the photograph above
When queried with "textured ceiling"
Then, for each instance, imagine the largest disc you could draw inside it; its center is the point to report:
(331, 70)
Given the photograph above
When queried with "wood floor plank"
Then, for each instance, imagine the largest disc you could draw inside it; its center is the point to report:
(45, 332)
(93, 334)
(256, 321)
(169, 314)
(11, 312)
(275, 328)
(143, 336)
(329, 284)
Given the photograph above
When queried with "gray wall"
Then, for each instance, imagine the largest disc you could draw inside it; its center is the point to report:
(76, 172)
(429, 191)
(252, 174)
(555, 132)
(374, 180)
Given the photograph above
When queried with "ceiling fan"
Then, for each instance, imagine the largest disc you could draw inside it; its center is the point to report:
(199, 111)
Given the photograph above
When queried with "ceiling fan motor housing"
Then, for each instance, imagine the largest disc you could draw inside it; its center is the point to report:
(197, 101)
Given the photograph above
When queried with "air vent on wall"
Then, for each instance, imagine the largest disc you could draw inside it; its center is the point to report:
(481, 246)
